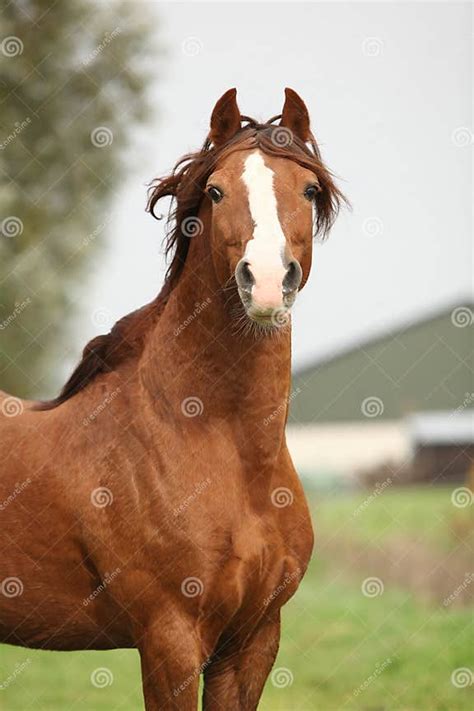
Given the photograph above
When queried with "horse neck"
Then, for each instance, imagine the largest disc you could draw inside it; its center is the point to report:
(197, 353)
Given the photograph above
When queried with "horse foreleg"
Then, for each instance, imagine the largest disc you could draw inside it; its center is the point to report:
(235, 679)
(171, 664)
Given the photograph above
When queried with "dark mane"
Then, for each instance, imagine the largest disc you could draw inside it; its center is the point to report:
(185, 185)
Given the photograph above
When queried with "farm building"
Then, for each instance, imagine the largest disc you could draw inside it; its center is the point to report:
(366, 405)
(442, 444)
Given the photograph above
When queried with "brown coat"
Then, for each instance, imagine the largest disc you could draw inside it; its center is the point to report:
(155, 505)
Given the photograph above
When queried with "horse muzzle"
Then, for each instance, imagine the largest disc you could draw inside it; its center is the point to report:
(268, 293)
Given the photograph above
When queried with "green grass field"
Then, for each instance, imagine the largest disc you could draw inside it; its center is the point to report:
(422, 513)
(340, 649)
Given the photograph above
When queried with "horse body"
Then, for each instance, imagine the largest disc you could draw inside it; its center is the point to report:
(161, 509)
(153, 531)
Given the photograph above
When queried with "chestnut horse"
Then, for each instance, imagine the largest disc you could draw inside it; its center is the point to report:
(153, 504)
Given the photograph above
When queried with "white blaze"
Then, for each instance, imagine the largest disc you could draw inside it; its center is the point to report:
(265, 250)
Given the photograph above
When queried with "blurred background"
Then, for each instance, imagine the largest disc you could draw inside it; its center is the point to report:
(97, 99)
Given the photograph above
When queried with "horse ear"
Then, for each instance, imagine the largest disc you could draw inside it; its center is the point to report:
(225, 119)
(295, 115)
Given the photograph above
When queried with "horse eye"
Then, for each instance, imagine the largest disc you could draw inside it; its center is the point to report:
(215, 194)
(311, 191)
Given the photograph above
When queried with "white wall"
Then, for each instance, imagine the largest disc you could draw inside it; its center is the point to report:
(342, 449)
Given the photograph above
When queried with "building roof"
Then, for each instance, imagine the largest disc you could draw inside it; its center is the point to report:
(445, 427)
(383, 334)
(427, 365)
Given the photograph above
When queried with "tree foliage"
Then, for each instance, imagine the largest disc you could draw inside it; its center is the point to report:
(72, 88)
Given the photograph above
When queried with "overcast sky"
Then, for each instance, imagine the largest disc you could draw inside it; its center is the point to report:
(388, 87)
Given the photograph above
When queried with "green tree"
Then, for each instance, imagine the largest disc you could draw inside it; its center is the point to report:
(73, 80)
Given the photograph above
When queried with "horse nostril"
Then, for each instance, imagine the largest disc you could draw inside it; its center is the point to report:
(292, 278)
(244, 277)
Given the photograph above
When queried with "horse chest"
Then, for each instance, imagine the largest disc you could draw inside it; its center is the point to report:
(260, 573)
